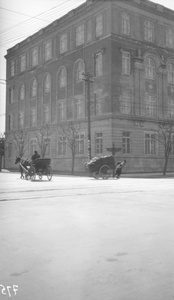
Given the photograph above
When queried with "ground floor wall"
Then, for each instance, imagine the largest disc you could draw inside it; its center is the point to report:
(112, 130)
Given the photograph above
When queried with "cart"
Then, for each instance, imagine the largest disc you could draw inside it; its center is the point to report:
(101, 166)
(41, 167)
(104, 167)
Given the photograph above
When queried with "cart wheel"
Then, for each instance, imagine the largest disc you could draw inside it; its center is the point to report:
(32, 173)
(105, 171)
(49, 173)
(96, 175)
(40, 175)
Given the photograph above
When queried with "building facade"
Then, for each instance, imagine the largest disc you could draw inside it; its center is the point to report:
(128, 49)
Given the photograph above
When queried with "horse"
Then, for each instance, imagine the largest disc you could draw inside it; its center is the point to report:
(24, 166)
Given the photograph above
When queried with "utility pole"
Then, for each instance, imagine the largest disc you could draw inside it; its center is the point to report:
(88, 80)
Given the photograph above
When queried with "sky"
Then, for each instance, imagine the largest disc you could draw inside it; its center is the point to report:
(22, 18)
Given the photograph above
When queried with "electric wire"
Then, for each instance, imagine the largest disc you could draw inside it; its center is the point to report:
(22, 36)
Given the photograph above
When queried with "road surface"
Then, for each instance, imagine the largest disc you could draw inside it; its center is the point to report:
(77, 238)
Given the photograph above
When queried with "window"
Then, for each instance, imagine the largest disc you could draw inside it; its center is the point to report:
(34, 57)
(79, 108)
(98, 64)
(150, 105)
(172, 140)
(170, 73)
(61, 145)
(99, 25)
(47, 50)
(80, 143)
(61, 110)
(170, 108)
(63, 43)
(21, 119)
(125, 63)
(12, 68)
(79, 71)
(10, 122)
(125, 24)
(33, 116)
(62, 78)
(148, 31)
(32, 146)
(125, 102)
(47, 84)
(34, 88)
(126, 142)
(96, 106)
(11, 95)
(170, 38)
(46, 114)
(89, 31)
(22, 92)
(150, 71)
(23, 63)
(80, 35)
(99, 143)
(150, 143)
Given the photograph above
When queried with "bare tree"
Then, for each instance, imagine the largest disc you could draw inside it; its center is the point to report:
(20, 140)
(166, 139)
(43, 139)
(70, 131)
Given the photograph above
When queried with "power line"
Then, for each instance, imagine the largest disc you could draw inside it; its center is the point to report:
(11, 28)
(19, 13)
(10, 40)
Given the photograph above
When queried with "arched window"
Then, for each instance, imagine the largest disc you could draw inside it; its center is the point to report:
(170, 73)
(47, 84)
(150, 69)
(34, 88)
(22, 92)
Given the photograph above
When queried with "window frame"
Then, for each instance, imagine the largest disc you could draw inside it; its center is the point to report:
(34, 57)
(80, 35)
(48, 50)
(149, 31)
(170, 37)
(23, 63)
(170, 73)
(99, 25)
(80, 143)
(125, 23)
(63, 43)
(150, 144)
(126, 63)
(126, 142)
(150, 69)
(98, 64)
(61, 145)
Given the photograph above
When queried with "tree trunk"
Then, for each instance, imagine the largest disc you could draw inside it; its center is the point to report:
(165, 165)
(72, 169)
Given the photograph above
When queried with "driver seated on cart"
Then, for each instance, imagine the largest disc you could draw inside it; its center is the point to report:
(35, 155)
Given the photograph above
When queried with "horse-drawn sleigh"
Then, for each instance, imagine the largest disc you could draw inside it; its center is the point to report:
(104, 167)
(29, 169)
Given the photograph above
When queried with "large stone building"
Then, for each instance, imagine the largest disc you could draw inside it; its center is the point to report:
(128, 48)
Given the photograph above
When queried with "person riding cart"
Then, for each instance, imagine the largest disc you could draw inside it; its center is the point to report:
(35, 155)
